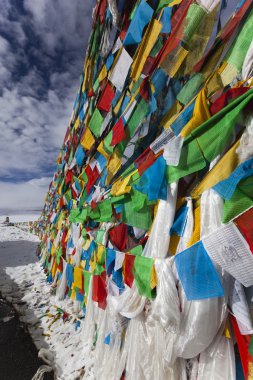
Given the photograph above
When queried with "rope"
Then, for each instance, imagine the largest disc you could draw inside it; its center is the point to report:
(48, 358)
(39, 375)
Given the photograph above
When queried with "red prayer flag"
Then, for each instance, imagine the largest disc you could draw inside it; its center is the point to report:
(128, 269)
(145, 160)
(224, 99)
(118, 236)
(92, 177)
(106, 98)
(118, 132)
(243, 342)
(99, 292)
(69, 177)
(245, 224)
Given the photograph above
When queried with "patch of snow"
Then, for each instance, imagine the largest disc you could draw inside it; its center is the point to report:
(24, 282)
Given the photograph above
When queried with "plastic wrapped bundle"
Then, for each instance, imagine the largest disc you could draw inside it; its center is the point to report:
(110, 356)
(159, 239)
(165, 309)
(129, 303)
(211, 212)
(200, 322)
(221, 364)
(91, 317)
(145, 345)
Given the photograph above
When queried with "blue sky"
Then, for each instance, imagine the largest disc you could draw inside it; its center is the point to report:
(42, 50)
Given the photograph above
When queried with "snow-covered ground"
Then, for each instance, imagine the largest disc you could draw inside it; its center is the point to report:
(23, 283)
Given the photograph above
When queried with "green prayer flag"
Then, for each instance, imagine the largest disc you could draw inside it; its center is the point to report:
(87, 277)
(106, 143)
(157, 47)
(68, 195)
(82, 216)
(73, 214)
(142, 270)
(241, 200)
(215, 139)
(100, 236)
(191, 88)
(136, 251)
(138, 199)
(99, 269)
(94, 214)
(84, 233)
(118, 199)
(208, 140)
(242, 43)
(140, 219)
(96, 122)
(191, 161)
(83, 198)
(137, 117)
(58, 255)
(194, 17)
(105, 209)
(251, 346)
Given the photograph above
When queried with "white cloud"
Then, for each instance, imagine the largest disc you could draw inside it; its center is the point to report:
(42, 50)
(60, 21)
(28, 195)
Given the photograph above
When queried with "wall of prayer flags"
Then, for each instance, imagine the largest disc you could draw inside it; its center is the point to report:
(147, 224)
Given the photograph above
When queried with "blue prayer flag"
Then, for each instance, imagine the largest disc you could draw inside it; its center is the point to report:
(226, 188)
(141, 17)
(197, 273)
(153, 181)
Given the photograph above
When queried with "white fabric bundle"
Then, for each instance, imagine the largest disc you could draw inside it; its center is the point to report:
(145, 346)
(165, 308)
(211, 205)
(110, 358)
(129, 303)
(199, 324)
(89, 325)
(158, 243)
(76, 258)
(221, 364)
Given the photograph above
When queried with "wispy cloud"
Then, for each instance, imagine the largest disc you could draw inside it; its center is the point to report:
(42, 48)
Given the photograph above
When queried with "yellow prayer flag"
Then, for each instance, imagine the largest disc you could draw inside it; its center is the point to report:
(196, 230)
(54, 267)
(78, 277)
(76, 125)
(113, 166)
(145, 48)
(173, 61)
(200, 113)
(100, 252)
(220, 171)
(153, 278)
(102, 74)
(101, 150)
(88, 139)
(121, 187)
